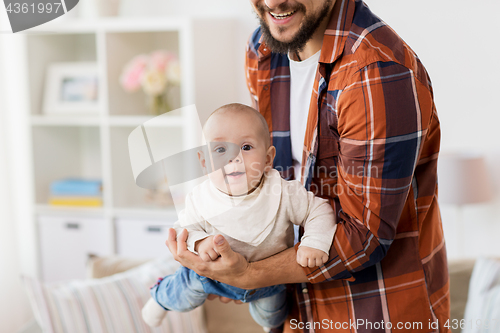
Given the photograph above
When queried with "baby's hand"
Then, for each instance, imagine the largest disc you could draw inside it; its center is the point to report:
(205, 249)
(309, 257)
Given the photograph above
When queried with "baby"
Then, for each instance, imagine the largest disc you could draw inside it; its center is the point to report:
(247, 202)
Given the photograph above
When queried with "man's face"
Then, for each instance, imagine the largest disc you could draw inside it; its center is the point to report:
(289, 25)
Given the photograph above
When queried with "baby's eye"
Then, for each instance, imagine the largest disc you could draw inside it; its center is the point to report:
(220, 150)
(246, 147)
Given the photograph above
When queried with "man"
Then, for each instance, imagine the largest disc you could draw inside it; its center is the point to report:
(363, 132)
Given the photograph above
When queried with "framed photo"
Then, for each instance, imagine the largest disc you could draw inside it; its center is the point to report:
(71, 88)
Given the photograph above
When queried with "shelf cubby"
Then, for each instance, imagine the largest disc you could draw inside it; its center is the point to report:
(64, 152)
(45, 49)
(122, 47)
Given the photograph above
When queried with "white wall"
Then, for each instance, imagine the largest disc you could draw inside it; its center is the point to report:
(14, 307)
(457, 42)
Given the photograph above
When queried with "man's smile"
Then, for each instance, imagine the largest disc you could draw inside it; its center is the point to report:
(282, 15)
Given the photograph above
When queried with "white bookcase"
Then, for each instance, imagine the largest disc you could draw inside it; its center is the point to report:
(95, 145)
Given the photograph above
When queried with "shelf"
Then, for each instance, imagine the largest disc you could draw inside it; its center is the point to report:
(44, 50)
(134, 121)
(116, 24)
(45, 209)
(64, 152)
(164, 214)
(121, 48)
(95, 145)
(167, 214)
(96, 120)
(65, 120)
(125, 192)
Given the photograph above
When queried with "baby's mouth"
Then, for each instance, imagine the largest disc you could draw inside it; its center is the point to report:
(235, 174)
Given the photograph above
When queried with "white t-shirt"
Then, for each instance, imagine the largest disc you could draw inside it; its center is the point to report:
(302, 74)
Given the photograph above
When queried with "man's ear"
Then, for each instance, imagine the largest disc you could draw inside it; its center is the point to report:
(271, 154)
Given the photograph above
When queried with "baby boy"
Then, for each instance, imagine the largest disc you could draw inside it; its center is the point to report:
(247, 202)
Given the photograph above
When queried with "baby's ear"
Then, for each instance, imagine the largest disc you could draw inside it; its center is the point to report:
(203, 163)
(271, 153)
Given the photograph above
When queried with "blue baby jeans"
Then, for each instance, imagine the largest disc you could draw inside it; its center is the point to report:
(186, 290)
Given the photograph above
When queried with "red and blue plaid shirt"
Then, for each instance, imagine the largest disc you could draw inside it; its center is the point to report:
(371, 148)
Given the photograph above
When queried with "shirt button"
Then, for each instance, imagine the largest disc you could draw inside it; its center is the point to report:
(266, 87)
(305, 291)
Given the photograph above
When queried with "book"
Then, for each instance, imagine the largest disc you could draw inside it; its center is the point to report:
(76, 201)
(76, 187)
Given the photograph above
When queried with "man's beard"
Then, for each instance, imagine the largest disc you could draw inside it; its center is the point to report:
(305, 33)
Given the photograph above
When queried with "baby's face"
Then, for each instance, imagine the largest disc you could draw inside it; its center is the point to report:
(237, 139)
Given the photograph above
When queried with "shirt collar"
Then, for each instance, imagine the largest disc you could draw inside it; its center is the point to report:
(264, 51)
(337, 31)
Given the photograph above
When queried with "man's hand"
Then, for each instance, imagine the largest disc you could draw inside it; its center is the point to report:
(205, 249)
(230, 267)
(309, 257)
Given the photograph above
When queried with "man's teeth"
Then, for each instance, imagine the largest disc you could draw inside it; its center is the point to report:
(283, 15)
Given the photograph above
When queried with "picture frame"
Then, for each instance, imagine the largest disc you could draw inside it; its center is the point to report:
(71, 88)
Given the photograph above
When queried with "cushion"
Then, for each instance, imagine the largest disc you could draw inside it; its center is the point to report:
(99, 267)
(482, 312)
(108, 305)
(460, 273)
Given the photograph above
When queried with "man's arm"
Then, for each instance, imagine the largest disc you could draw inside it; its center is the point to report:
(233, 269)
(383, 119)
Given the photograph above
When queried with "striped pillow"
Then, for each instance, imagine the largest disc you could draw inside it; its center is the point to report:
(108, 305)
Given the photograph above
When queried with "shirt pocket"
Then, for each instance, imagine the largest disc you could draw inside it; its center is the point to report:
(358, 159)
(325, 175)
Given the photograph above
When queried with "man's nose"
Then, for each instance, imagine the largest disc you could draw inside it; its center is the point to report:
(273, 4)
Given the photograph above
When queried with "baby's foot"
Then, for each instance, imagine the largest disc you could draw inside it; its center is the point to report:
(153, 313)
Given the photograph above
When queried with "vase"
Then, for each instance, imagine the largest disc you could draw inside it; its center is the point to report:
(158, 104)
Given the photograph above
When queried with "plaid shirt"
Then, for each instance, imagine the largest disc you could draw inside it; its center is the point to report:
(371, 148)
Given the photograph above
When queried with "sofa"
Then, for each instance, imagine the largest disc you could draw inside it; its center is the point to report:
(229, 318)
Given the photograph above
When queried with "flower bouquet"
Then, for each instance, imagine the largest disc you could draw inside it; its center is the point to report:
(156, 73)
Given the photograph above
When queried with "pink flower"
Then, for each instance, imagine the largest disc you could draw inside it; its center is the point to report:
(173, 73)
(132, 74)
(160, 59)
(153, 82)
(154, 73)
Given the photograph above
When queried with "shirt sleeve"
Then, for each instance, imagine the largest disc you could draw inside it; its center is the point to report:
(383, 117)
(251, 68)
(312, 213)
(192, 222)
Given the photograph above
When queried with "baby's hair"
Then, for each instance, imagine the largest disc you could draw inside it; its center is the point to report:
(237, 107)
